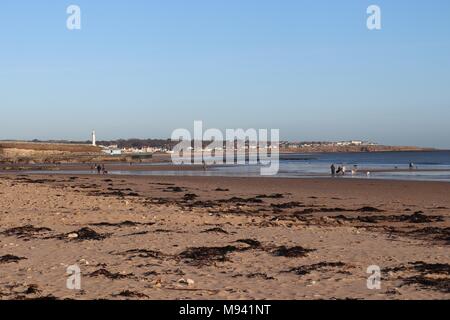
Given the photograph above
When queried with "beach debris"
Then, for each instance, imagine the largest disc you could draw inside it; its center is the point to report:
(417, 217)
(158, 282)
(85, 234)
(120, 193)
(44, 298)
(187, 282)
(216, 230)
(206, 255)
(32, 289)
(27, 231)
(287, 205)
(441, 268)
(433, 276)
(150, 273)
(241, 200)
(126, 223)
(428, 282)
(260, 275)
(322, 266)
(173, 189)
(326, 210)
(190, 196)
(369, 209)
(251, 242)
(222, 190)
(292, 252)
(270, 196)
(160, 184)
(393, 291)
(139, 233)
(10, 259)
(130, 294)
(439, 234)
(142, 253)
(110, 275)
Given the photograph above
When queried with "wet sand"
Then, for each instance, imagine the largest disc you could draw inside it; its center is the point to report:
(88, 167)
(222, 238)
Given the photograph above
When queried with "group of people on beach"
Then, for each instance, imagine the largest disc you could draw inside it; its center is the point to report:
(341, 170)
(100, 168)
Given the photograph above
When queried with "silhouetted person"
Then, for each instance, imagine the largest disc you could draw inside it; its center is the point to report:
(99, 169)
(333, 170)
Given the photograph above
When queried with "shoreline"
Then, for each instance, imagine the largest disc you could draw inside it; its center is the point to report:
(161, 170)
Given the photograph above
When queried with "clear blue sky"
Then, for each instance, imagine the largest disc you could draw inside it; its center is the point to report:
(144, 68)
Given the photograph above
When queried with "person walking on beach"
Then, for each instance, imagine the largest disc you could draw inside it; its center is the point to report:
(333, 170)
(99, 169)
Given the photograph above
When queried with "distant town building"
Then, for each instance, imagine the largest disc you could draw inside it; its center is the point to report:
(112, 151)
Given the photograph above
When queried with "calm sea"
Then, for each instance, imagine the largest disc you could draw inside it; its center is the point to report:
(432, 166)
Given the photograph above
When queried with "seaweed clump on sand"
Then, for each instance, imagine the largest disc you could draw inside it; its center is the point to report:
(110, 275)
(9, 258)
(322, 266)
(292, 252)
(427, 282)
(142, 253)
(251, 242)
(126, 223)
(369, 209)
(24, 232)
(215, 230)
(206, 255)
(438, 234)
(83, 234)
(131, 294)
(431, 276)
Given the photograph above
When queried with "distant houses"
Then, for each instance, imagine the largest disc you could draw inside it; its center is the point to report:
(312, 144)
(114, 150)
(164, 147)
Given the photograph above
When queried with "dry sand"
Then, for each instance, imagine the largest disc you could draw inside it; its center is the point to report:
(235, 238)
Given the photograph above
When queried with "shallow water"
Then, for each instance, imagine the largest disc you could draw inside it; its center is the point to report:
(318, 165)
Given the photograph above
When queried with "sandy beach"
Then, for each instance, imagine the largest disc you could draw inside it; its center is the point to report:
(222, 238)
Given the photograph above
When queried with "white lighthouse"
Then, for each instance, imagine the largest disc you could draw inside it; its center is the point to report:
(94, 141)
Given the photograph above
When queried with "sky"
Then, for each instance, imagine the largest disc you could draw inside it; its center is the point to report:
(143, 68)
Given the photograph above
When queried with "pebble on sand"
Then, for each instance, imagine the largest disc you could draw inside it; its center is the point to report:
(188, 282)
